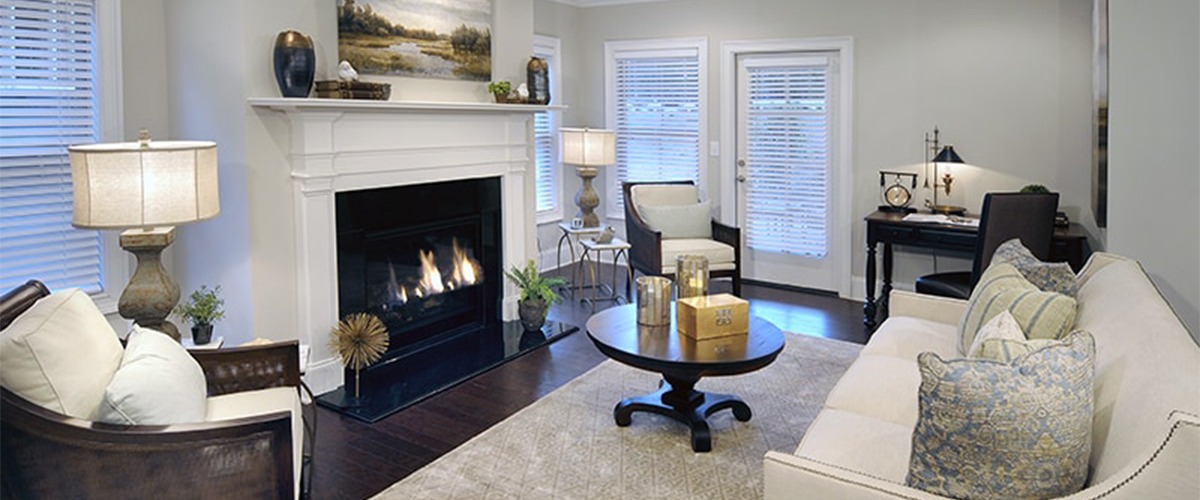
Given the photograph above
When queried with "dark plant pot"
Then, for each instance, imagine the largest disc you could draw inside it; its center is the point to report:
(295, 63)
(533, 314)
(202, 334)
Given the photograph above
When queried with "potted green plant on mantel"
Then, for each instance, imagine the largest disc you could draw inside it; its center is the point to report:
(500, 90)
(201, 310)
(537, 293)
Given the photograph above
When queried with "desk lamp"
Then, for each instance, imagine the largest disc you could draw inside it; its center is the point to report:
(588, 148)
(146, 188)
(942, 154)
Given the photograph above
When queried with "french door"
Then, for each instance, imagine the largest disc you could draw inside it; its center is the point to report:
(786, 137)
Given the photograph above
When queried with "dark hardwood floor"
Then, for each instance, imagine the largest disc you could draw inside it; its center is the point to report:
(357, 460)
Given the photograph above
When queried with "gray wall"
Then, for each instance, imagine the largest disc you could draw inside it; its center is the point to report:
(1154, 160)
(1008, 83)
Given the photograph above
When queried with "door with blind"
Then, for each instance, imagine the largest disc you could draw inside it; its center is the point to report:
(785, 138)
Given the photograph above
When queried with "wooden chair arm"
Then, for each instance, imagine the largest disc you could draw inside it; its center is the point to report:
(49, 455)
(250, 368)
(728, 235)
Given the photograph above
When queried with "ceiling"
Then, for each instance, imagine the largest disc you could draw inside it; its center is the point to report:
(600, 3)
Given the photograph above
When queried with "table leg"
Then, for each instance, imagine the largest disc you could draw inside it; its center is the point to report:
(869, 306)
(628, 277)
(885, 295)
(677, 398)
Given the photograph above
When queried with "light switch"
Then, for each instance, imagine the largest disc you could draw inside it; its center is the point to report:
(714, 148)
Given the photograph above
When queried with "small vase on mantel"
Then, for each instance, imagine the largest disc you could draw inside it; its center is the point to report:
(295, 63)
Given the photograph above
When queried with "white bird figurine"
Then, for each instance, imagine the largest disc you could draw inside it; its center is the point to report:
(346, 72)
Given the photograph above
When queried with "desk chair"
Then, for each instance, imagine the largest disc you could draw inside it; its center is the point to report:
(1028, 216)
(654, 254)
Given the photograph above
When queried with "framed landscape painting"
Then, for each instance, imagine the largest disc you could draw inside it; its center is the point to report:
(444, 39)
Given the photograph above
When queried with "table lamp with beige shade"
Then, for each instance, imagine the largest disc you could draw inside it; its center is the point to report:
(588, 148)
(147, 188)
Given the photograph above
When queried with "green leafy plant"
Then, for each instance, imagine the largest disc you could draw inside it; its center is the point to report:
(500, 87)
(1035, 188)
(203, 306)
(533, 285)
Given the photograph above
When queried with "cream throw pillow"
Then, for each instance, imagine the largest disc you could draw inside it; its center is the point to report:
(1001, 327)
(995, 430)
(60, 354)
(679, 221)
(1041, 315)
(158, 383)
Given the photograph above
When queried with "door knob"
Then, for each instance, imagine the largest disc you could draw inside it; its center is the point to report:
(741, 163)
(741, 177)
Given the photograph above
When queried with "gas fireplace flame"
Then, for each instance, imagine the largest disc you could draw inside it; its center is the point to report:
(463, 271)
(395, 290)
(431, 277)
(466, 270)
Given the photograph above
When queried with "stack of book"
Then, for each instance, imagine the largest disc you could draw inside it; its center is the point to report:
(338, 89)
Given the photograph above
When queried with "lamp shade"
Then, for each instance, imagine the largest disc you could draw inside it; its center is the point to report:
(589, 147)
(144, 184)
(947, 155)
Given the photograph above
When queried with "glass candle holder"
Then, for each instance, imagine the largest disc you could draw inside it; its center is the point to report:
(691, 274)
(653, 301)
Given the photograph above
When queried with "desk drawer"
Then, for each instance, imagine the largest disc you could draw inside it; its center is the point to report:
(948, 239)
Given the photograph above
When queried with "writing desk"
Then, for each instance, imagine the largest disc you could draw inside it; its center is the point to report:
(1068, 245)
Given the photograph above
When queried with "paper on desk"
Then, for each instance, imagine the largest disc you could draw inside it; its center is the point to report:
(942, 219)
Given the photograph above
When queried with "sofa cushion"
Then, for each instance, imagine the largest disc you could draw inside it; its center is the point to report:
(996, 430)
(869, 387)
(60, 354)
(905, 337)
(1042, 315)
(158, 384)
(679, 221)
(1047, 276)
(857, 442)
(719, 255)
(263, 402)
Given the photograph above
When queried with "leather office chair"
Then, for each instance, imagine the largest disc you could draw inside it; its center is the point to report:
(1028, 216)
(652, 254)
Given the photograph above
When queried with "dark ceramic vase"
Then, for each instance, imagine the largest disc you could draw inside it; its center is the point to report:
(202, 334)
(532, 314)
(295, 63)
(538, 75)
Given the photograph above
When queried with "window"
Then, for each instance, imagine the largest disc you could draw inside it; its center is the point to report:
(50, 98)
(656, 95)
(545, 138)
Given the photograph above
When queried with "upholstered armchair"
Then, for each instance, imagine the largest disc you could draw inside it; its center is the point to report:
(62, 364)
(664, 220)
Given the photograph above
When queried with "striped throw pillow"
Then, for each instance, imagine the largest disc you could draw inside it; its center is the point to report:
(1041, 315)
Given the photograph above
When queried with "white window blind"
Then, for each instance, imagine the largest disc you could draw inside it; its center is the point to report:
(788, 156)
(47, 102)
(547, 167)
(657, 117)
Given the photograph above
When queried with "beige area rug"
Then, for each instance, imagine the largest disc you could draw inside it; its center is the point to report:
(566, 445)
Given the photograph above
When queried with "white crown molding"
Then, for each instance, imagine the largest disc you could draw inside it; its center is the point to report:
(583, 4)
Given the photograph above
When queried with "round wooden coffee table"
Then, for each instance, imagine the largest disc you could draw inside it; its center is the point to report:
(682, 362)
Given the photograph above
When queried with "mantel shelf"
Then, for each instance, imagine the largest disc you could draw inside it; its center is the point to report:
(288, 104)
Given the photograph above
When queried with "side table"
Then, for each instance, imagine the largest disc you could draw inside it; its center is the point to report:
(570, 233)
(602, 292)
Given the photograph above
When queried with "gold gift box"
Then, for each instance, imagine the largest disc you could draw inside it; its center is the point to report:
(712, 316)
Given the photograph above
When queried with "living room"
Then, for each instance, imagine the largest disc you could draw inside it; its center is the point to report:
(1010, 84)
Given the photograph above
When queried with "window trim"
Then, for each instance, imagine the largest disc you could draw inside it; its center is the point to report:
(552, 47)
(611, 50)
(117, 264)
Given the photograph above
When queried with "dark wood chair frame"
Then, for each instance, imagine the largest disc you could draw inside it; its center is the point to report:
(50, 455)
(645, 253)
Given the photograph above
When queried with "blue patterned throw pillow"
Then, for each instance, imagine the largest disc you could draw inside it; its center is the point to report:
(1047, 276)
(987, 429)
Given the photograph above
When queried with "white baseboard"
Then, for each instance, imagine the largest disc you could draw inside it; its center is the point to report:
(324, 376)
(858, 288)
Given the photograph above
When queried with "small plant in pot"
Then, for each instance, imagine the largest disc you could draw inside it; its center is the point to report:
(537, 293)
(202, 308)
(500, 90)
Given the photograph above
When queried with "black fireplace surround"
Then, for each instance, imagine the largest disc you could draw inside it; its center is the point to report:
(426, 259)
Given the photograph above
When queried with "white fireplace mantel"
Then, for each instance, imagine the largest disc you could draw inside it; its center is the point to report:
(347, 145)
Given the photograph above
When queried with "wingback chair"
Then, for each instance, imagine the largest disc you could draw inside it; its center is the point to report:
(61, 363)
(1028, 216)
(678, 223)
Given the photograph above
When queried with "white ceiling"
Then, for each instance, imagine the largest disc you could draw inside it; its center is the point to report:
(599, 3)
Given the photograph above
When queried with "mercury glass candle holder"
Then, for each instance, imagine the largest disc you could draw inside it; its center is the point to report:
(691, 275)
(653, 301)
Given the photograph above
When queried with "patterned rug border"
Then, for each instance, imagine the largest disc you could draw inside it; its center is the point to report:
(531, 455)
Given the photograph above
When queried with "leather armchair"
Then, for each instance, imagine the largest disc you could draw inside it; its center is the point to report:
(649, 254)
(51, 455)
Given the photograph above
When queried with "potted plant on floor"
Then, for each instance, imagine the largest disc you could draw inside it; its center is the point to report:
(201, 310)
(537, 293)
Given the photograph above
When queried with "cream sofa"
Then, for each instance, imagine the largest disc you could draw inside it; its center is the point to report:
(1145, 431)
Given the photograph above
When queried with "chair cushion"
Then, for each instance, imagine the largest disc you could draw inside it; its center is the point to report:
(679, 221)
(1042, 315)
(158, 383)
(60, 354)
(719, 255)
(1047, 276)
(663, 194)
(262, 402)
(994, 430)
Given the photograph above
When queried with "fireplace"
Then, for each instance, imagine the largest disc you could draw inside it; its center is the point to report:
(423, 258)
